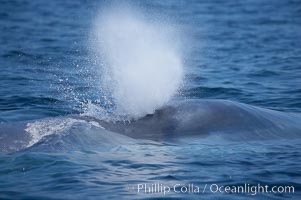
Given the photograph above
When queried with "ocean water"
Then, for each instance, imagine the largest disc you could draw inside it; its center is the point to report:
(53, 53)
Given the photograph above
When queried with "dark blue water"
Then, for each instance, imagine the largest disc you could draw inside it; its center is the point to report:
(245, 51)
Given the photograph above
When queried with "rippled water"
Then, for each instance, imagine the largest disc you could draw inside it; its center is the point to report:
(107, 174)
(245, 51)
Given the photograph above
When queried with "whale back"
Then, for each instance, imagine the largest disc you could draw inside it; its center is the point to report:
(204, 117)
(199, 119)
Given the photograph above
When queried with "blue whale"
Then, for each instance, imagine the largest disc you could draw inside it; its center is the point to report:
(185, 119)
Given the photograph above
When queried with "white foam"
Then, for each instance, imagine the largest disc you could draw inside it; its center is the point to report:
(141, 66)
(39, 129)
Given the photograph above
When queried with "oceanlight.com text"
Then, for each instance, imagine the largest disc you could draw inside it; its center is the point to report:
(178, 188)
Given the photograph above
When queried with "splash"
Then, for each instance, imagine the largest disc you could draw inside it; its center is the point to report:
(141, 67)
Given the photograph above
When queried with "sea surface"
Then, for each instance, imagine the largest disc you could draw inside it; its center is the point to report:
(243, 51)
